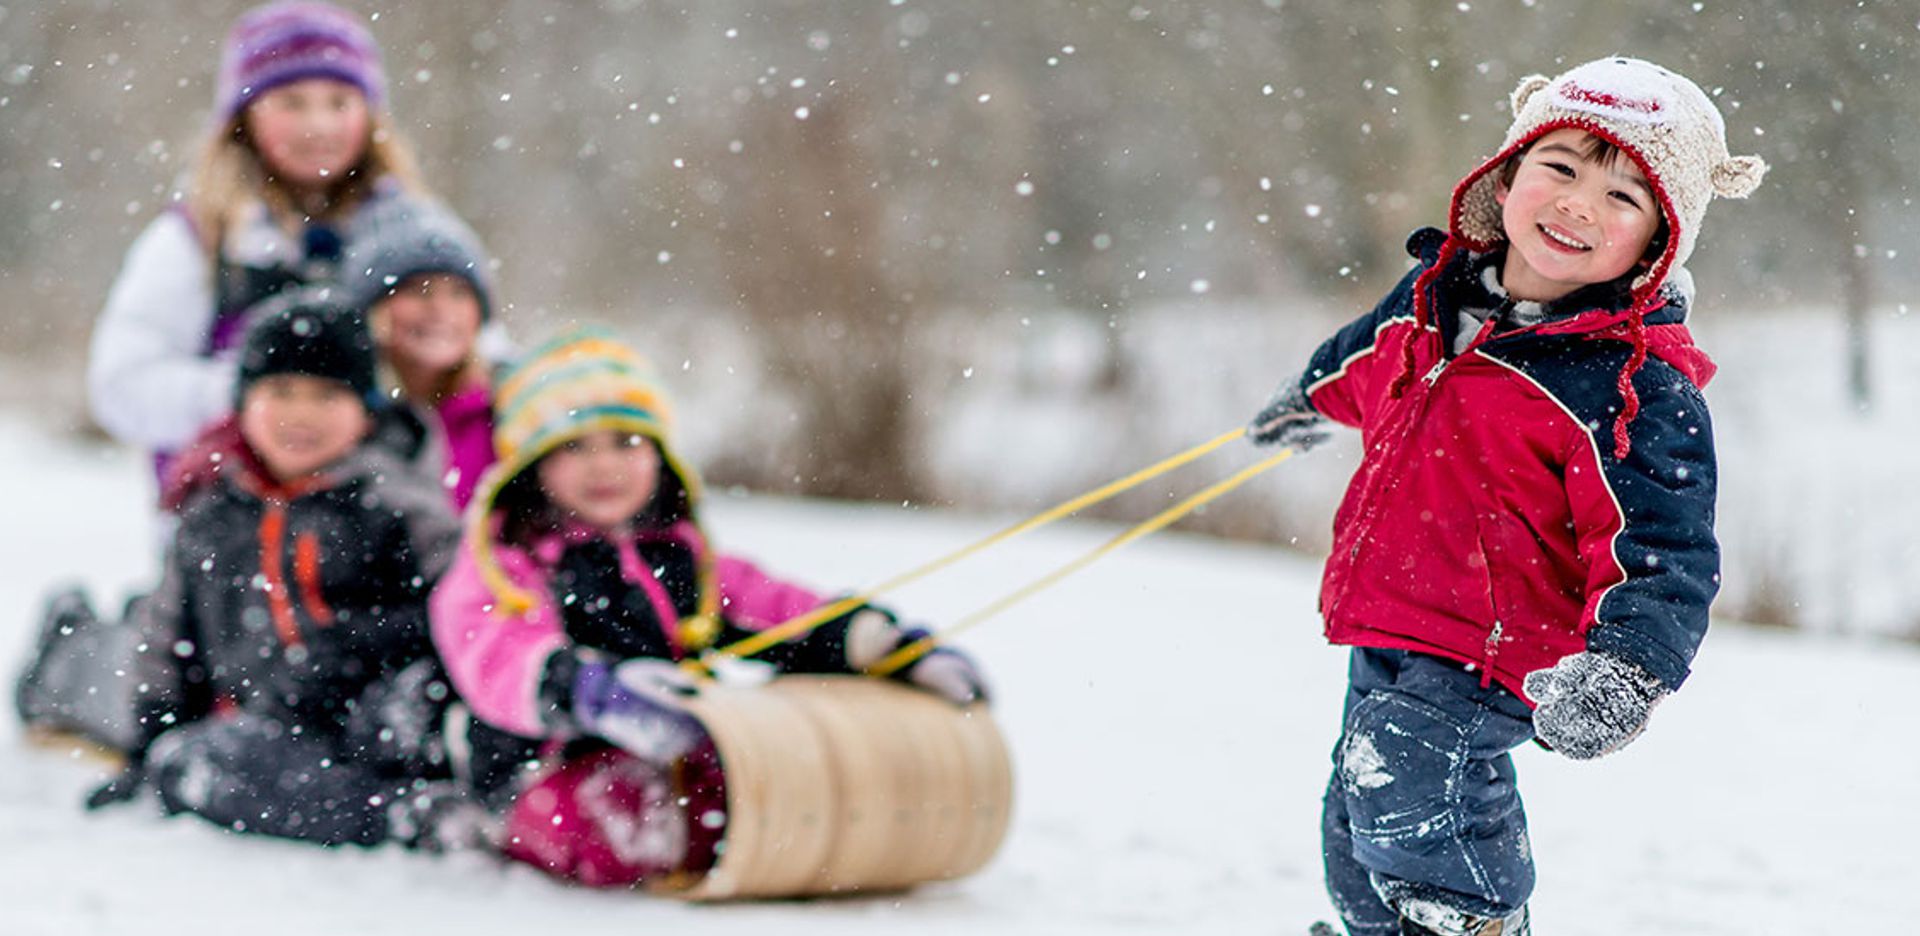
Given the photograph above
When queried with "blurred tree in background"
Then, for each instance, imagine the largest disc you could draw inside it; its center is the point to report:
(856, 181)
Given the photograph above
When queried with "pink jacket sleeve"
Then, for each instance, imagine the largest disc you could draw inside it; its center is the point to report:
(755, 601)
(496, 660)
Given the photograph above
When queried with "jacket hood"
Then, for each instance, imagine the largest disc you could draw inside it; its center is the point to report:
(1664, 330)
(221, 453)
(1603, 310)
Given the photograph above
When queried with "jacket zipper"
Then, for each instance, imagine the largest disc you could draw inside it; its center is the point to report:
(639, 574)
(306, 568)
(1490, 648)
(1369, 508)
(273, 532)
(1490, 651)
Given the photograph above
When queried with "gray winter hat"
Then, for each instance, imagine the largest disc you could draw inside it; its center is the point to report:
(415, 243)
(1664, 122)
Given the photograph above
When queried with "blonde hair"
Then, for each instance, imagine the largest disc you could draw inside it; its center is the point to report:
(230, 175)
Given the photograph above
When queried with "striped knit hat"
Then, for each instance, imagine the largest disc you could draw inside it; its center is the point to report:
(282, 43)
(581, 381)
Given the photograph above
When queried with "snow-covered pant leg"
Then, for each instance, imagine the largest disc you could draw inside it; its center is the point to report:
(1349, 883)
(80, 675)
(252, 774)
(397, 724)
(609, 819)
(1423, 787)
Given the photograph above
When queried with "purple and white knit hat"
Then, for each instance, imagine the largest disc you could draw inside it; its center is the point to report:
(291, 41)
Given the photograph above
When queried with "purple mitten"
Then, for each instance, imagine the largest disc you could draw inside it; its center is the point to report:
(636, 705)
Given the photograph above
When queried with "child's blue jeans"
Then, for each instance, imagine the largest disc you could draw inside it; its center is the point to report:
(1422, 801)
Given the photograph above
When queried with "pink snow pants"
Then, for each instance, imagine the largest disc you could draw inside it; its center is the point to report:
(609, 819)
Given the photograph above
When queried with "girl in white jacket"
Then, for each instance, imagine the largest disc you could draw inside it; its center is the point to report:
(300, 166)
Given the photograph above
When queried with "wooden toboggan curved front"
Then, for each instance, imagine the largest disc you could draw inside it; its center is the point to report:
(840, 784)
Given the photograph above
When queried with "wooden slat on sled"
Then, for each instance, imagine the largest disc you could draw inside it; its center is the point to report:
(841, 784)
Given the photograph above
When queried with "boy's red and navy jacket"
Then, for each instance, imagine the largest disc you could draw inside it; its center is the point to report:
(1493, 519)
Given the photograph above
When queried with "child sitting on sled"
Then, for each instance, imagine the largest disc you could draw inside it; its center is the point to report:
(1527, 547)
(280, 657)
(583, 578)
(422, 288)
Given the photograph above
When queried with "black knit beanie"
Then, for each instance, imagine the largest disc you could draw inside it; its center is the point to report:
(307, 331)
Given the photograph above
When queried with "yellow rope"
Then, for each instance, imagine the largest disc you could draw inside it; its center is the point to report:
(919, 648)
(827, 612)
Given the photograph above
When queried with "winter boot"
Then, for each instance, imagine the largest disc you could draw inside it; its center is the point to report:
(79, 680)
(1427, 918)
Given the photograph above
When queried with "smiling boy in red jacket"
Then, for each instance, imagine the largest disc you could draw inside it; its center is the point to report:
(1527, 547)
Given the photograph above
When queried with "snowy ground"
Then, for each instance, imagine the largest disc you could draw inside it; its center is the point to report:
(1170, 712)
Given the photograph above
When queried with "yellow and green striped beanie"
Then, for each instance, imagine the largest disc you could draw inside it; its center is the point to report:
(581, 381)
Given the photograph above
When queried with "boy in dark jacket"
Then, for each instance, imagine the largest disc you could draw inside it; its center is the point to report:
(285, 682)
(1527, 547)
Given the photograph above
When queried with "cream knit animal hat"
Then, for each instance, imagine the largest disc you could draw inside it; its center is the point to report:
(1663, 121)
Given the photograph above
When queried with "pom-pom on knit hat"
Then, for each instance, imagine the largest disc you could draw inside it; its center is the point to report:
(583, 380)
(281, 43)
(1661, 120)
(307, 331)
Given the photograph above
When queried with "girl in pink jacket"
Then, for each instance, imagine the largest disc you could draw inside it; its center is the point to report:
(583, 577)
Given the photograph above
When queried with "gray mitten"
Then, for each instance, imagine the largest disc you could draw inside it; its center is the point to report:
(943, 671)
(1288, 420)
(1591, 703)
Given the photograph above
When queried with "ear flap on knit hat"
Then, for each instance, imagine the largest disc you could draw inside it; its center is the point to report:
(1738, 176)
(1525, 90)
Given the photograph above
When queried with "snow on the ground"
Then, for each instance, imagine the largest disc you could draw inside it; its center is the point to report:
(1170, 712)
